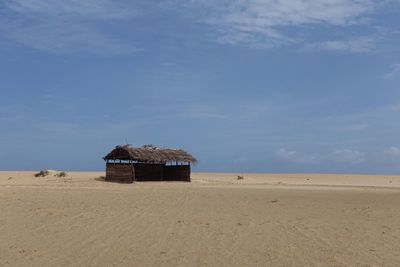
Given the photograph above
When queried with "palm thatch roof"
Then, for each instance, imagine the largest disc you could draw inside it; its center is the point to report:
(149, 154)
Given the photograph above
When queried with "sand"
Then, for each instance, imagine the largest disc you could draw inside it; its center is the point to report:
(217, 220)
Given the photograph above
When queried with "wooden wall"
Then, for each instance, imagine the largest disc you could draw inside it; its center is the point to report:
(177, 173)
(149, 172)
(128, 173)
(122, 173)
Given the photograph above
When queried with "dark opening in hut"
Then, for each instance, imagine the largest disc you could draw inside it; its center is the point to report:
(148, 163)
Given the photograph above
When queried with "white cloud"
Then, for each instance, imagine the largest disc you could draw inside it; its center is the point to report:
(285, 155)
(395, 107)
(348, 156)
(101, 9)
(339, 156)
(65, 38)
(345, 158)
(394, 71)
(67, 26)
(354, 45)
(70, 25)
(294, 157)
(240, 160)
(10, 114)
(392, 152)
(263, 22)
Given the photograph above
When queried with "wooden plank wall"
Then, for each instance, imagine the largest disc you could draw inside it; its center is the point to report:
(122, 173)
(177, 173)
(149, 172)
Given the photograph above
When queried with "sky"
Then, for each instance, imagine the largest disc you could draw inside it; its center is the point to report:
(245, 86)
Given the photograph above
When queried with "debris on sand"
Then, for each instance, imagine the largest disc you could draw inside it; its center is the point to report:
(44, 173)
(61, 174)
(240, 177)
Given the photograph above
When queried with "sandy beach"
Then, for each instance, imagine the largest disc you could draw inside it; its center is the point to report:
(217, 220)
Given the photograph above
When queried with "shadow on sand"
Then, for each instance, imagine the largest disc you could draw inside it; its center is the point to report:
(100, 179)
(103, 179)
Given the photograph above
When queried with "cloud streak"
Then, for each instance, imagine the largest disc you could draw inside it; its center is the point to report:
(290, 156)
(326, 25)
(354, 45)
(394, 71)
(341, 156)
(265, 22)
(392, 152)
(91, 9)
(64, 27)
(72, 26)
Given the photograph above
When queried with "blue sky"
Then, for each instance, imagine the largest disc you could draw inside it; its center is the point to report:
(246, 86)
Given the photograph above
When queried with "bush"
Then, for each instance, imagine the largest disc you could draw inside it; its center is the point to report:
(240, 177)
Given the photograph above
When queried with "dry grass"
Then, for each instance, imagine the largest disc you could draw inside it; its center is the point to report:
(61, 174)
(42, 173)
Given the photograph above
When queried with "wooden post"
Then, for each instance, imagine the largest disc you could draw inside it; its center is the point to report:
(133, 171)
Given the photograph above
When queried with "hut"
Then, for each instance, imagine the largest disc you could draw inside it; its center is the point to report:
(127, 164)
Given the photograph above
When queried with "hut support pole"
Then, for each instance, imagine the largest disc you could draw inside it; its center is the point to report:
(133, 171)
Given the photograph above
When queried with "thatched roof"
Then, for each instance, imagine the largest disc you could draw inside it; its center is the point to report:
(150, 154)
